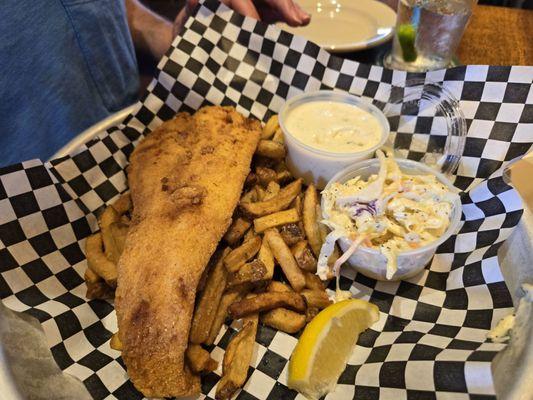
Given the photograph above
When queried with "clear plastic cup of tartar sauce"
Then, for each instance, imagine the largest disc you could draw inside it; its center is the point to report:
(314, 162)
(371, 262)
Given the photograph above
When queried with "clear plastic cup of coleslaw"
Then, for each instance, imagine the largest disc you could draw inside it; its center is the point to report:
(371, 262)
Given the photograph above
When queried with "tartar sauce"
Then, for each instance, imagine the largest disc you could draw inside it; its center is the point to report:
(334, 126)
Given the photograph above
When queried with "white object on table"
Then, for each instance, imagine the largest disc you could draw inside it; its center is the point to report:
(372, 262)
(93, 131)
(346, 25)
(315, 165)
(512, 368)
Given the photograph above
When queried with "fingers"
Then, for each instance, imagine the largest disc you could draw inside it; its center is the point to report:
(274, 10)
(191, 5)
(244, 7)
(186, 11)
(303, 15)
(290, 12)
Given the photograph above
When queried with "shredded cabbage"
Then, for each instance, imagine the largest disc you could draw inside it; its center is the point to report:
(391, 212)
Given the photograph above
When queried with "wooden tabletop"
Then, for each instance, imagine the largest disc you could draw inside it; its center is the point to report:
(498, 36)
(495, 36)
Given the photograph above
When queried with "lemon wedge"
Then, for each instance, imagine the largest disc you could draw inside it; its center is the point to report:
(326, 344)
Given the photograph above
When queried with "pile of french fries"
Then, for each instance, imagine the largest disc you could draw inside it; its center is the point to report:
(264, 270)
(103, 249)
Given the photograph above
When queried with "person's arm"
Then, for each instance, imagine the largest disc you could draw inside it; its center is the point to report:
(153, 33)
(150, 32)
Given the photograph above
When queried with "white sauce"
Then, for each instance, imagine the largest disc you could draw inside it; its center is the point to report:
(333, 126)
(500, 333)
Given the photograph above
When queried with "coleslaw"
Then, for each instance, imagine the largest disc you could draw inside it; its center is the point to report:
(391, 212)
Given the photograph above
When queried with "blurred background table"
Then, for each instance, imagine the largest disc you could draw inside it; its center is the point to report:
(498, 36)
(494, 36)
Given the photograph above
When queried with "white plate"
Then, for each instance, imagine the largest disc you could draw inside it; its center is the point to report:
(93, 131)
(346, 25)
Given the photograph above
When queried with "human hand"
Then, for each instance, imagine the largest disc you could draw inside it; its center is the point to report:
(271, 11)
(266, 10)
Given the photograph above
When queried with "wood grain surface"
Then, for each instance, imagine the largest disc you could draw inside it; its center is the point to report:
(495, 36)
(498, 36)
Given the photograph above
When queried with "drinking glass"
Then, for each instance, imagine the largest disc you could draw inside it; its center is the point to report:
(428, 33)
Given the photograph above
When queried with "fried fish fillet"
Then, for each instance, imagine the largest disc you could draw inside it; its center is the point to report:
(185, 178)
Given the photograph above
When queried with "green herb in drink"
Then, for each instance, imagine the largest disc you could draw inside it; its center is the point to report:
(407, 36)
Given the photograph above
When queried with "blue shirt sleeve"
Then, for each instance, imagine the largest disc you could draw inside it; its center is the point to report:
(66, 64)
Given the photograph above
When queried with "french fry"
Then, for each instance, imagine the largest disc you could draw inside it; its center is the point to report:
(251, 180)
(125, 220)
(316, 298)
(108, 217)
(222, 312)
(90, 276)
(241, 254)
(236, 230)
(280, 202)
(291, 234)
(267, 258)
(265, 162)
(203, 278)
(280, 166)
(283, 255)
(270, 127)
(284, 320)
(298, 204)
(237, 359)
(283, 174)
(250, 234)
(267, 301)
(99, 290)
(283, 177)
(311, 313)
(304, 257)
(313, 282)
(118, 231)
(278, 136)
(199, 359)
(265, 175)
(208, 301)
(249, 197)
(275, 286)
(270, 149)
(123, 204)
(272, 190)
(115, 342)
(298, 247)
(98, 262)
(260, 192)
(253, 273)
(310, 219)
(261, 224)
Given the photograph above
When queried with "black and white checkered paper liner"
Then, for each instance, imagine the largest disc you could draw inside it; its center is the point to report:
(430, 342)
